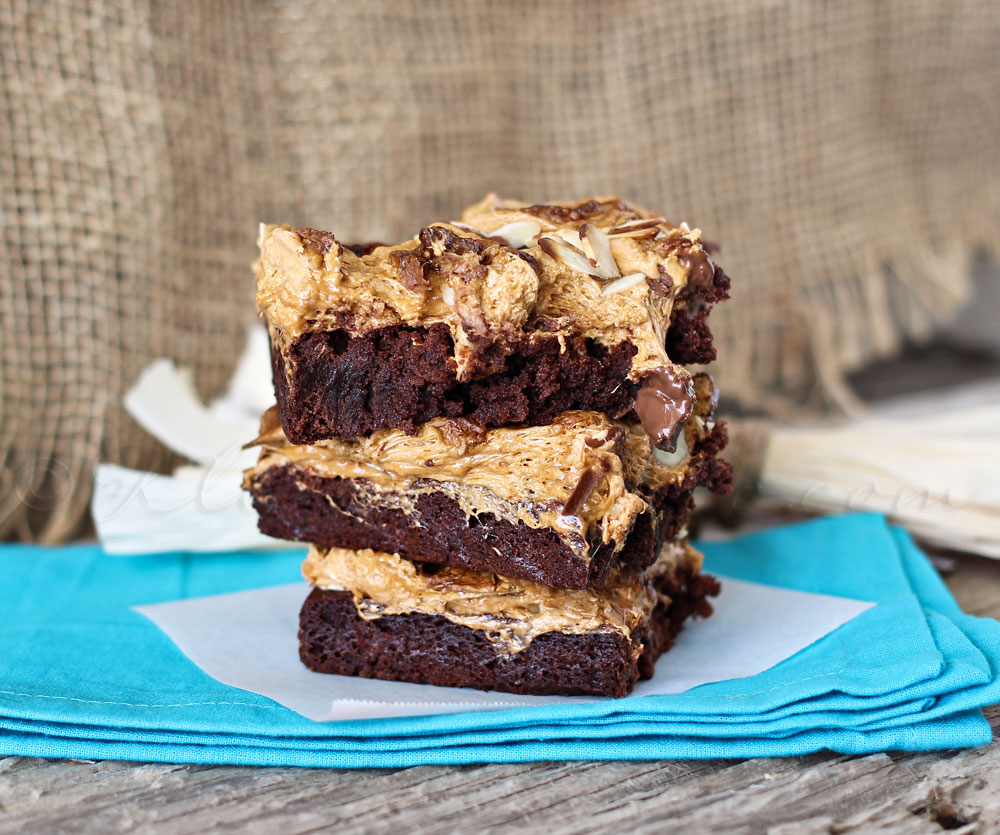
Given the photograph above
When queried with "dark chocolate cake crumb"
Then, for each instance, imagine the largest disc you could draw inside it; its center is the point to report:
(335, 512)
(343, 385)
(295, 504)
(430, 649)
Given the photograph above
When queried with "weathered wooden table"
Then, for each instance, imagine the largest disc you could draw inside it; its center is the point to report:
(824, 793)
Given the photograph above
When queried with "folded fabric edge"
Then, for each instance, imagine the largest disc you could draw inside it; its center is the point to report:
(961, 731)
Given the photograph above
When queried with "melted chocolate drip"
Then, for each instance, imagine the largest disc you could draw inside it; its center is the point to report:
(665, 400)
(701, 270)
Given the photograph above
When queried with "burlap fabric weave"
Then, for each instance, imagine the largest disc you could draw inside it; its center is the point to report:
(844, 154)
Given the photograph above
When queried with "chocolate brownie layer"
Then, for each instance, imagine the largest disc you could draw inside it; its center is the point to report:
(338, 385)
(294, 504)
(430, 649)
(513, 315)
(337, 512)
(689, 338)
(555, 503)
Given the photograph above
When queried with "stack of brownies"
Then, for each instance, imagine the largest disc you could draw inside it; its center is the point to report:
(487, 438)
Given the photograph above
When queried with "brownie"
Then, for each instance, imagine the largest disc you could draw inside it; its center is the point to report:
(337, 385)
(334, 512)
(295, 504)
(558, 504)
(689, 338)
(430, 649)
(512, 315)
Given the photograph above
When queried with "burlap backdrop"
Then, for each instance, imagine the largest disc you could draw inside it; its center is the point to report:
(845, 154)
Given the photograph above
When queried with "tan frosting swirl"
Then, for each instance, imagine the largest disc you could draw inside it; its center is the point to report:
(583, 469)
(484, 288)
(513, 613)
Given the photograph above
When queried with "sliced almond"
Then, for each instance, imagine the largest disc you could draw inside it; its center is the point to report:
(648, 226)
(600, 250)
(263, 232)
(622, 283)
(571, 236)
(519, 234)
(566, 253)
(638, 234)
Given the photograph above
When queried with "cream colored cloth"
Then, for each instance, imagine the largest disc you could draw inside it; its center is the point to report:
(843, 153)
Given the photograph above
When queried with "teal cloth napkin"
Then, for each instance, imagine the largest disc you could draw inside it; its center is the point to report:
(82, 675)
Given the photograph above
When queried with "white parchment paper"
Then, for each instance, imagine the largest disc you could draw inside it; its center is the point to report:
(249, 640)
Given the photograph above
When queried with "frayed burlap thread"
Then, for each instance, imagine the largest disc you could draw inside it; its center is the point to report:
(843, 154)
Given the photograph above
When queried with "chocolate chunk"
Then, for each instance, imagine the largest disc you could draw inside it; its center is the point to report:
(437, 240)
(584, 487)
(663, 285)
(361, 250)
(411, 270)
(581, 211)
(701, 270)
(564, 214)
(467, 303)
(616, 436)
(316, 241)
(530, 260)
(544, 322)
(664, 401)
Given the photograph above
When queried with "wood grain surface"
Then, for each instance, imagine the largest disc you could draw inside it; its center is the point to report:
(823, 793)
